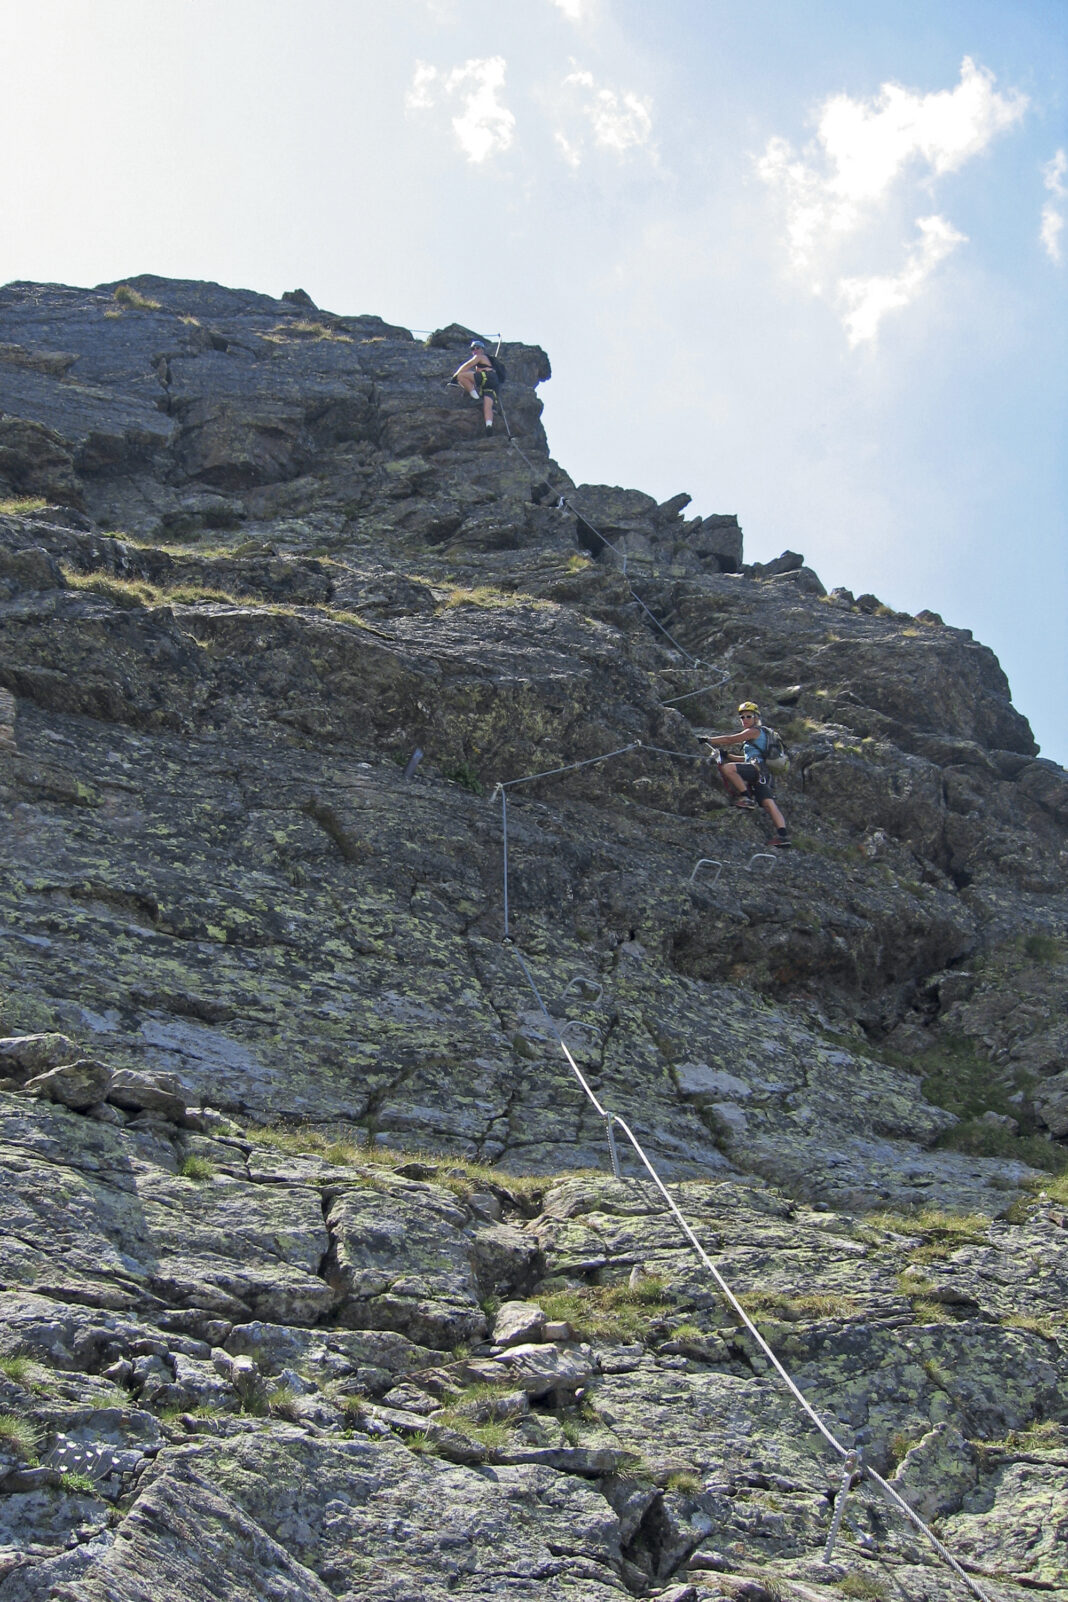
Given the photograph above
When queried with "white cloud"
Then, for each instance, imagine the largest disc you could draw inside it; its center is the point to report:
(578, 11)
(619, 120)
(420, 96)
(841, 185)
(866, 301)
(483, 126)
(1053, 174)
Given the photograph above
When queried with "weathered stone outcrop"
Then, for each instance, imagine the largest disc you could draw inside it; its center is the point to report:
(253, 558)
(220, 1320)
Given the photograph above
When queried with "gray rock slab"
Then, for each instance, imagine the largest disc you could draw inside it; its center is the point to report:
(79, 1085)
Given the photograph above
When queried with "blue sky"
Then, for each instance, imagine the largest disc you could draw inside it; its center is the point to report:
(805, 261)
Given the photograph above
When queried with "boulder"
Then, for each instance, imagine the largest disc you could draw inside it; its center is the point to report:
(79, 1085)
(1051, 1103)
(153, 1093)
(517, 1323)
(22, 1056)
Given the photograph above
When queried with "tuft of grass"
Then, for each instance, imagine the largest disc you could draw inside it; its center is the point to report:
(282, 333)
(126, 295)
(1056, 1189)
(913, 1283)
(488, 1399)
(134, 593)
(927, 1311)
(963, 1080)
(862, 1585)
(1041, 1436)
(16, 505)
(610, 1312)
(577, 564)
(19, 1436)
(77, 1483)
(1040, 1324)
(282, 1402)
(683, 1481)
(27, 1372)
(493, 1434)
(196, 1168)
(463, 774)
(978, 1138)
(1039, 947)
(899, 1444)
(936, 1225)
(484, 595)
(354, 1405)
(796, 1309)
(461, 1175)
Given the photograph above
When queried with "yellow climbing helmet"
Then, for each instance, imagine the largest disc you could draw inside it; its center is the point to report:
(748, 706)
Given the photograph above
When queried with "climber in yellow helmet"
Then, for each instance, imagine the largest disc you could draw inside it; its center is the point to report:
(749, 782)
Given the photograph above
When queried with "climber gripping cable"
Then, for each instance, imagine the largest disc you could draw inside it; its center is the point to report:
(750, 783)
(479, 377)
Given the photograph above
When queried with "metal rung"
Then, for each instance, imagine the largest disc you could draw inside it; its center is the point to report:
(707, 862)
(577, 1023)
(851, 1465)
(760, 856)
(590, 984)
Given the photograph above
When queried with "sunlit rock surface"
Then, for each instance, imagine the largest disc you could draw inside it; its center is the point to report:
(253, 556)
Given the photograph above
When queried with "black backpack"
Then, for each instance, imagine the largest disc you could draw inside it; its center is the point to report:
(498, 367)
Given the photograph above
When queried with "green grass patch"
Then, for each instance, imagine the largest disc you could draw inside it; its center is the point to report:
(1043, 948)
(284, 333)
(899, 1444)
(196, 1168)
(77, 1483)
(483, 595)
(927, 1311)
(19, 1436)
(610, 1312)
(962, 1079)
(134, 593)
(1044, 1436)
(797, 1309)
(17, 505)
(862, 1585)
(466, 776)
(282, 1402)
(132, 299)
(27, 1372)
(458, 1174)
(683, 1481)
(978, 1138)
(1043, 1324)
(938, 1227)
(1056, 1189)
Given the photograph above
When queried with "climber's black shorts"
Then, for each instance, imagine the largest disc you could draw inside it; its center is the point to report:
(757, 781)
(485, 378)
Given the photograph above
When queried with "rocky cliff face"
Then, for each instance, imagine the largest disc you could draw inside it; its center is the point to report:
(253, 556)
